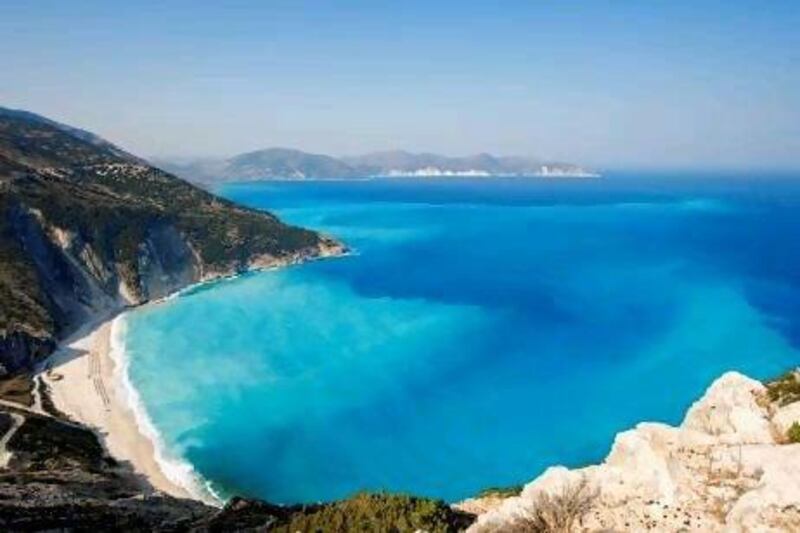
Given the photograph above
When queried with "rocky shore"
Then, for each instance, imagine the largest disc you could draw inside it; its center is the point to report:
(732, 465)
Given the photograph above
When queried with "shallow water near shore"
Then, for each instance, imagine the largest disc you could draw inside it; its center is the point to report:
(482, 330)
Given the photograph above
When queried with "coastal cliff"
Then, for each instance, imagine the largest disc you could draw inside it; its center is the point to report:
(732, 465)
(87, 229)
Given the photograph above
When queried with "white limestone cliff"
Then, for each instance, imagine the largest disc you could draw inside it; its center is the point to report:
(727, 467)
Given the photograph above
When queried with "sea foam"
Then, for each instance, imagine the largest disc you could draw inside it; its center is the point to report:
(177, 470)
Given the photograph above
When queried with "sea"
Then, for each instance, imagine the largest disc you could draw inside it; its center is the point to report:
(479, 331)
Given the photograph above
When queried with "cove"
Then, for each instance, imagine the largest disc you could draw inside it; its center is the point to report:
(481, 331)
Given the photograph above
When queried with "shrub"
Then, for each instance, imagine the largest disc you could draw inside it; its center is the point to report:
(794, 433)
(501, 492)
(558, 512)
(379, 512)
(785, 389)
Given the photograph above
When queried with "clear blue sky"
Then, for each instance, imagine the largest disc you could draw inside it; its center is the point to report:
(609, 84)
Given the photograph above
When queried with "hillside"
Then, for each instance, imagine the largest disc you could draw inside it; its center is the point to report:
(270, 163)
(283, 163)
(86, 228)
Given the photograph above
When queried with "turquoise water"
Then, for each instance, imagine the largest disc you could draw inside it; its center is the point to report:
(480, 331)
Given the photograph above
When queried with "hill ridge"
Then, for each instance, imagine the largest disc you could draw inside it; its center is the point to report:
(291, 163)
(86, 227)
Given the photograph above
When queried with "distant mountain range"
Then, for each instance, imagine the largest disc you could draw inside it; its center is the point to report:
(285, 163)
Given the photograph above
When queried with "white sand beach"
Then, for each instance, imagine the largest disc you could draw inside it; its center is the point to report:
(85, 385)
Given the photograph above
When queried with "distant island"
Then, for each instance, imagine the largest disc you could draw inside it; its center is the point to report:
(290, 164)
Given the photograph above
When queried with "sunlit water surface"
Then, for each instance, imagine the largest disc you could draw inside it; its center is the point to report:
(481, 331)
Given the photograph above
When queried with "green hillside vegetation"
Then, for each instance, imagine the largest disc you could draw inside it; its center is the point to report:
(120, 215)
(379, 512)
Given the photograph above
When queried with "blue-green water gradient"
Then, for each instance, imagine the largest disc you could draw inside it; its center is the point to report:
(481, 330)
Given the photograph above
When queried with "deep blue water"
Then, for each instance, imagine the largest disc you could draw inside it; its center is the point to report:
(481, 331)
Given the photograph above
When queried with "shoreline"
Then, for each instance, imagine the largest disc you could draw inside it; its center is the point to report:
(87, 382)
(81, 376)
(178, 472)
(88, 379)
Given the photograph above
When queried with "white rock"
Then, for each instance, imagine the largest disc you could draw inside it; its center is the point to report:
(784, 417)
(774, 502)
(729, 410)
(639, 461)
(721, 470)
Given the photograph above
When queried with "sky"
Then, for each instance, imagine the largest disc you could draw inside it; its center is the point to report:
(610, 84)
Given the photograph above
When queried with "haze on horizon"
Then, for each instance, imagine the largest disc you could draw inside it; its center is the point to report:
(611, 84)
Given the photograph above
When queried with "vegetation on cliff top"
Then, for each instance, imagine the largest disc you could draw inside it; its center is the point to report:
(785, 389)
(116, 216)
(501, 492)
(380, 512)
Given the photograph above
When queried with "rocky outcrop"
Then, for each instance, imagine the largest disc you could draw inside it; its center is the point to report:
(727, 467)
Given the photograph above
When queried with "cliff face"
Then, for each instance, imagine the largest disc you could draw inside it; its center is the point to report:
(86, 228)
(732, 465)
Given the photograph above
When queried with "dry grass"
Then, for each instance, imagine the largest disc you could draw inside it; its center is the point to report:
(17, 389)
(559, 512)
(784, 389)
(793, 434)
